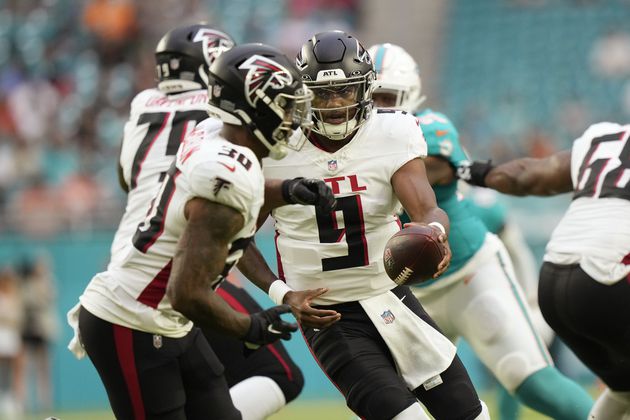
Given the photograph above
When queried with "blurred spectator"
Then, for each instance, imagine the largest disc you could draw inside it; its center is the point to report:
(80, 196)
(35, 211)
(10, 344)
(68, 70)
(114, 24)
(573, 116)
(33, 104)
(538, 143)
(39, 328)
(610, 55)
(306, 17)
(170, 13)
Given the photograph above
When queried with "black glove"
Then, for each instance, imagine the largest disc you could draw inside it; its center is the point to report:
(307, 191)
(475, 172)
(267, 326)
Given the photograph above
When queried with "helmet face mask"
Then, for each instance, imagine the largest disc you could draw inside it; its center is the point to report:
(256, 86)
(339, 71)
(295, 111)
(184, 54)
(397, 73)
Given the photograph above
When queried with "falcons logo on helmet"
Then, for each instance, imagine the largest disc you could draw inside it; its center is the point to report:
(214, 43)
(263, 73)
(362, 54)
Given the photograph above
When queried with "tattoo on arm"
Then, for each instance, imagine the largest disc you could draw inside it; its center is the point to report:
(198, 262)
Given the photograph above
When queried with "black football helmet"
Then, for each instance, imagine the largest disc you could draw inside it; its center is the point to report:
(184, 54)
(257, 86)
(335, 61)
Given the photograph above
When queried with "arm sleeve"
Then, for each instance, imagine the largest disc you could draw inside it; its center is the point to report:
(406, 141)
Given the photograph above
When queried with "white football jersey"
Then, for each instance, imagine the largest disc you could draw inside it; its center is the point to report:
(595, 231)
(133, 292)
(156, 126)
(343, 250)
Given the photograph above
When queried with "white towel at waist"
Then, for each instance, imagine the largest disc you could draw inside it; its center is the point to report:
(75, 345)
(421, 352)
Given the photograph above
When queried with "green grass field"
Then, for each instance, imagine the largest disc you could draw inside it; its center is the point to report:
(307, 410)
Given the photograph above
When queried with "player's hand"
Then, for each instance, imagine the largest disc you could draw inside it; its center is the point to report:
(307, 191)
(446, 261)
(300, 303)
(475, 172)
(267, 326)
(443, 240)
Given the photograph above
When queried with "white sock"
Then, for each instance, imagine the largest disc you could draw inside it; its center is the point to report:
(611, 405)
(257, 397)
(413, 412)
(485, 414)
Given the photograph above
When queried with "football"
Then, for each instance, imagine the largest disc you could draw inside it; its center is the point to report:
(412, 255)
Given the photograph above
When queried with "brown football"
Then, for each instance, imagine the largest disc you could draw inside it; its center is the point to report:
(412, 255)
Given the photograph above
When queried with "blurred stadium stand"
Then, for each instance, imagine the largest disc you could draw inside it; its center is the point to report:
(516, 77)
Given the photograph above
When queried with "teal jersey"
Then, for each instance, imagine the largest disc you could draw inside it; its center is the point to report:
(485, 205)
(467, 230)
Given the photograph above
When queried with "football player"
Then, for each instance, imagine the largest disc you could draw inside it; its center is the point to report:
(384, 352)
(584, 285)
(477, 297)
(135, 321)
(264, 381)
(485, 204)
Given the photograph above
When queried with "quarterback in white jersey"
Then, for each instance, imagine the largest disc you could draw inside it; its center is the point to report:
(584, 284)
(136, 319)
(342, 250)
(384, 352)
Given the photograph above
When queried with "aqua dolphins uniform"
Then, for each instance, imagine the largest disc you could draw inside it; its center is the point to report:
(467, 231)
(478, 297)
(486, 205)
(492, 212)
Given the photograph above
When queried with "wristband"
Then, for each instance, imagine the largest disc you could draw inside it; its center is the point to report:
(439, 226)
(478, 172)
(277, 290)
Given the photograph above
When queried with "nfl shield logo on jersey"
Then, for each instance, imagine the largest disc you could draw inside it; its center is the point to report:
(332, 165)
(388, 316)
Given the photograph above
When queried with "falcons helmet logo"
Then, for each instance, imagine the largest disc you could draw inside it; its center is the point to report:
(263, 73)
(214, 43)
